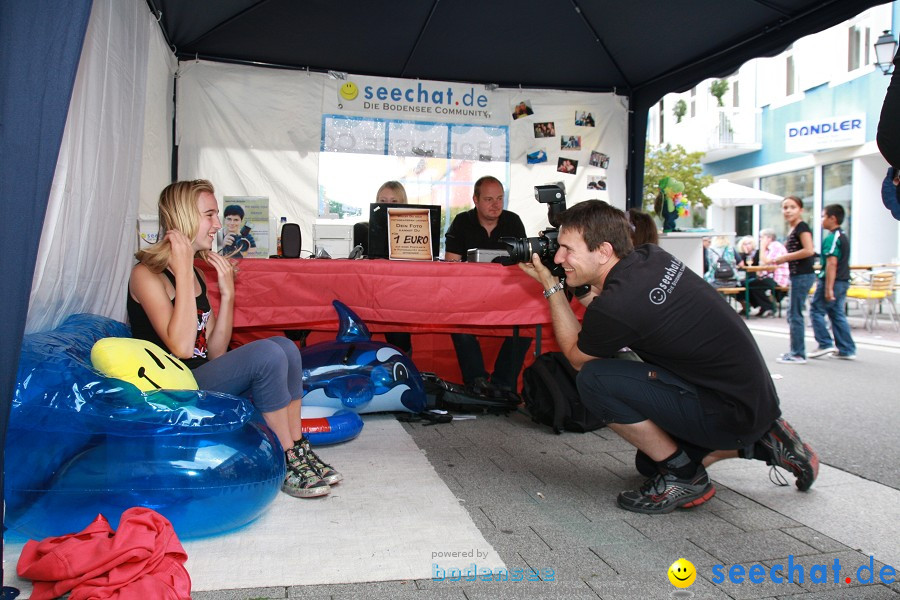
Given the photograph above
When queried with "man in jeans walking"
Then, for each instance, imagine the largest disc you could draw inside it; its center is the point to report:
(831, 291)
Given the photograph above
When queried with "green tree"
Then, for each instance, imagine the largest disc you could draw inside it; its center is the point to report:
(669, 161)
(679, 110)
(718, 88)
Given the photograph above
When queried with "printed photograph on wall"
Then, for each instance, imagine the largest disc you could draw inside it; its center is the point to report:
(536, 156)
(570, 142)
(596, 183)
(522, 109)
(544, 130)
(567, 165)
(584, 119)
(245, 227)
(598, 159)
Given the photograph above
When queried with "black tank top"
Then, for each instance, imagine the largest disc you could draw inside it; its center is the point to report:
(141, 328)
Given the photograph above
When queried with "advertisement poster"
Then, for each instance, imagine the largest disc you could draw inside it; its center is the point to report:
(409, 231)
(245, 227)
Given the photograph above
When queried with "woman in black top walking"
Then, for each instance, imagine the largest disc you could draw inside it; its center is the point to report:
(799, 258)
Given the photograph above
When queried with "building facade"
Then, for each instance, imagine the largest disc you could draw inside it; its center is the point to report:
(801, 123)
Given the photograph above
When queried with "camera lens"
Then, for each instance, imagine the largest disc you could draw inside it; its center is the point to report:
(521, 249)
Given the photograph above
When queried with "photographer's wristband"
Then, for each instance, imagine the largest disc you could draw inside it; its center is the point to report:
(553, 289)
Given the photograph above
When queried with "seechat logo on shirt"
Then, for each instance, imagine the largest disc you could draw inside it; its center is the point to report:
(671, 275)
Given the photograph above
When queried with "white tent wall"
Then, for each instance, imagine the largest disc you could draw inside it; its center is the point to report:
(88, 236)
(159, 114)
(253, 132)
(609, 136)
(257, 131)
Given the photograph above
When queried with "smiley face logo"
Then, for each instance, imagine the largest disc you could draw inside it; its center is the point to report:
(348, 91)
(141, 363)
(682, 573)
(657, 295)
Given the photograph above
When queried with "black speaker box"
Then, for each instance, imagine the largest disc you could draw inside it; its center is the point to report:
(290, 240)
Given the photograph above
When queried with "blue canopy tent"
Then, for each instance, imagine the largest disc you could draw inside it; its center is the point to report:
(639, 50)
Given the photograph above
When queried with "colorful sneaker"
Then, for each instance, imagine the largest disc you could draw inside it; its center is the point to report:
(791, 359)
(843, 356)
(301, 480)
(665, 492)
(323, 470)
(787, 450)
(820, 352)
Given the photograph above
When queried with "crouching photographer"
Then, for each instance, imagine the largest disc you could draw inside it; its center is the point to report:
(703, 392)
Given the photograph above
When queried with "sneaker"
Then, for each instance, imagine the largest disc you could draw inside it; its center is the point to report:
(787, 358)
(820, 352)
(328, 474)
(301, 481)
(843, 356)
(787, 451)
(664, 493)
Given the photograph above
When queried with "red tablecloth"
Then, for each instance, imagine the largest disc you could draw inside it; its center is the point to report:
(424, 298)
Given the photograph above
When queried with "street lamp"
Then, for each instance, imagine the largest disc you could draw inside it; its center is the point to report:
(885, 48)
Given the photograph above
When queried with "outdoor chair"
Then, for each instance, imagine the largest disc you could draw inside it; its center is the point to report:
(871, 297)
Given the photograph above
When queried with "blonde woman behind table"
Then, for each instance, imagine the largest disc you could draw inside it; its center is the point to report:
(393, 192)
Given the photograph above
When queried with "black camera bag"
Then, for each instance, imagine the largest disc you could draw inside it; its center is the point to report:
(551, 396)
(454, 397)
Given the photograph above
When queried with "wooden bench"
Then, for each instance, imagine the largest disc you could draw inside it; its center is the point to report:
(731, 294)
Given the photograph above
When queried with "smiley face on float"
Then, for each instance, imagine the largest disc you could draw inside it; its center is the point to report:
(682, 573)
(348, 91)
(141, 363)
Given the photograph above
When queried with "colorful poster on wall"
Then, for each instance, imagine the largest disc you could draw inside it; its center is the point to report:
(245, 227)
(409, 232)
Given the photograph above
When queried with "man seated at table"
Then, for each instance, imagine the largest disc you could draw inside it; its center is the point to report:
(482, 227)
(703, 392)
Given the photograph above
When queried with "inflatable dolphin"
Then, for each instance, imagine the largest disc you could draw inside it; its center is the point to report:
(355, 373)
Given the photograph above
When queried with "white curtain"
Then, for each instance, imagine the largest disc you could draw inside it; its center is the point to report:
(89, 235)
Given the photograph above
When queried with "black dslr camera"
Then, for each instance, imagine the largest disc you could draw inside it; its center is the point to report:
(545, 244)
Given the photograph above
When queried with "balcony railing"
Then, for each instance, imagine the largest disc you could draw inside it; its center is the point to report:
(732, 132)
(721, 133)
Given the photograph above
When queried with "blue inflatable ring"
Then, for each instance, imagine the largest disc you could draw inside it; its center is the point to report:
(79, 444)
(323, 426)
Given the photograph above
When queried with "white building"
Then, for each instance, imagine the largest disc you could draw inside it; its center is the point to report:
(800, 123)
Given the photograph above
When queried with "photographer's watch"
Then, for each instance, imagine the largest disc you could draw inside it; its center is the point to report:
(553, 289)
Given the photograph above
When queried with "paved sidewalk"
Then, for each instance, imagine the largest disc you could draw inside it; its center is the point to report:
(546, 504)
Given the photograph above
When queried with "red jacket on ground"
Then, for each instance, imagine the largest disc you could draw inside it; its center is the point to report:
(142, 560)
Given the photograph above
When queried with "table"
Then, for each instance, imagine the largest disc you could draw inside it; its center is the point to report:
(874, 266)
(424, 298)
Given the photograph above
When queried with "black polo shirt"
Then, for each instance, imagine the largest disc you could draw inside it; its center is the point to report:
(466, 232)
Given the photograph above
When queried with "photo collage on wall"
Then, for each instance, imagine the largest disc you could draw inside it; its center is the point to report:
(566, 142)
